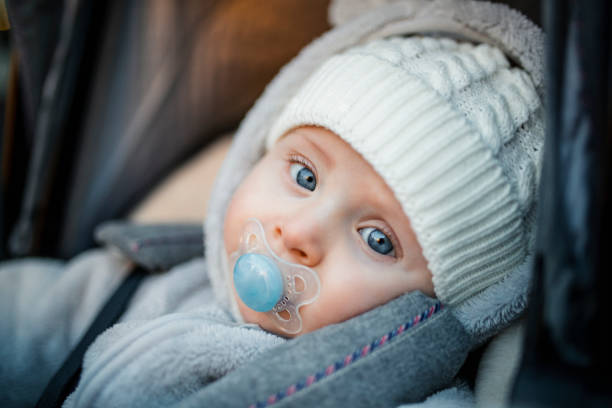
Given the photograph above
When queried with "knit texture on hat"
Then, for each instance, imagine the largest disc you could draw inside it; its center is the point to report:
(455, 131)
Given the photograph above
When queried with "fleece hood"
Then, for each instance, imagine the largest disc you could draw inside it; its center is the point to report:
(358, 22)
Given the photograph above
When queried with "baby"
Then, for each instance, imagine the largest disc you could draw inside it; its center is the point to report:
(324, 206)
(404, 164)
(399, 161)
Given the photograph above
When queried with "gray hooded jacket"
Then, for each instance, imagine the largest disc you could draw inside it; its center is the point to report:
(177, 342)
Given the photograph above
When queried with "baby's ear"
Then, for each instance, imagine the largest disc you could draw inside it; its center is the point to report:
(397, 353)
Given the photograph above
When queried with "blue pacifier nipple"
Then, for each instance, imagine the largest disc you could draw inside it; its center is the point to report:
(258, 282)
(269, 284)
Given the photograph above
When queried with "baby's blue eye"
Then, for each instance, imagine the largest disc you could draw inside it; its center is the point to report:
(303, 176)
(377, 240)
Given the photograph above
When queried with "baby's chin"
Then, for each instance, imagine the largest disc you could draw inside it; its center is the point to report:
(261, 319)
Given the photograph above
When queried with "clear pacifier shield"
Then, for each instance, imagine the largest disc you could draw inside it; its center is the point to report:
(267, 283)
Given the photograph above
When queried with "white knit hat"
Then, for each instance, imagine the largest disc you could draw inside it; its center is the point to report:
(455, 131)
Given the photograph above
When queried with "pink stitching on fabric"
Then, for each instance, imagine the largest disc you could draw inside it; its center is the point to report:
(350, 358)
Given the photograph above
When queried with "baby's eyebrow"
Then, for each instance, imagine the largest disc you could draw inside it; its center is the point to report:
(327, 159)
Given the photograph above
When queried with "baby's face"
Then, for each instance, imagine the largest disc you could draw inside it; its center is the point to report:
(322, 205)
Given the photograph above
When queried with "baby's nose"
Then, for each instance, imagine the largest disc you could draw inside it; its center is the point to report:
(301, 239)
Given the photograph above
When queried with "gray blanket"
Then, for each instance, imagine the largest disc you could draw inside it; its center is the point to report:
(180, 352)
(173, 331)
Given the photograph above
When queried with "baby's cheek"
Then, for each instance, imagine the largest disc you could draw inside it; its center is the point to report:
(231, 223)
(242, 206)
(339, 301)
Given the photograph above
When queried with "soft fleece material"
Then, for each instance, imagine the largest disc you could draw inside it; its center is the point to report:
(46, 305)
(173, 331)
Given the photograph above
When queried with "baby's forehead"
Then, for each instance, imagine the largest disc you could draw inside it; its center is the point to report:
(340, 160)
(321, 139)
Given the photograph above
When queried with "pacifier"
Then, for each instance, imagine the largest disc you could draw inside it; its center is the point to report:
(267, 283)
